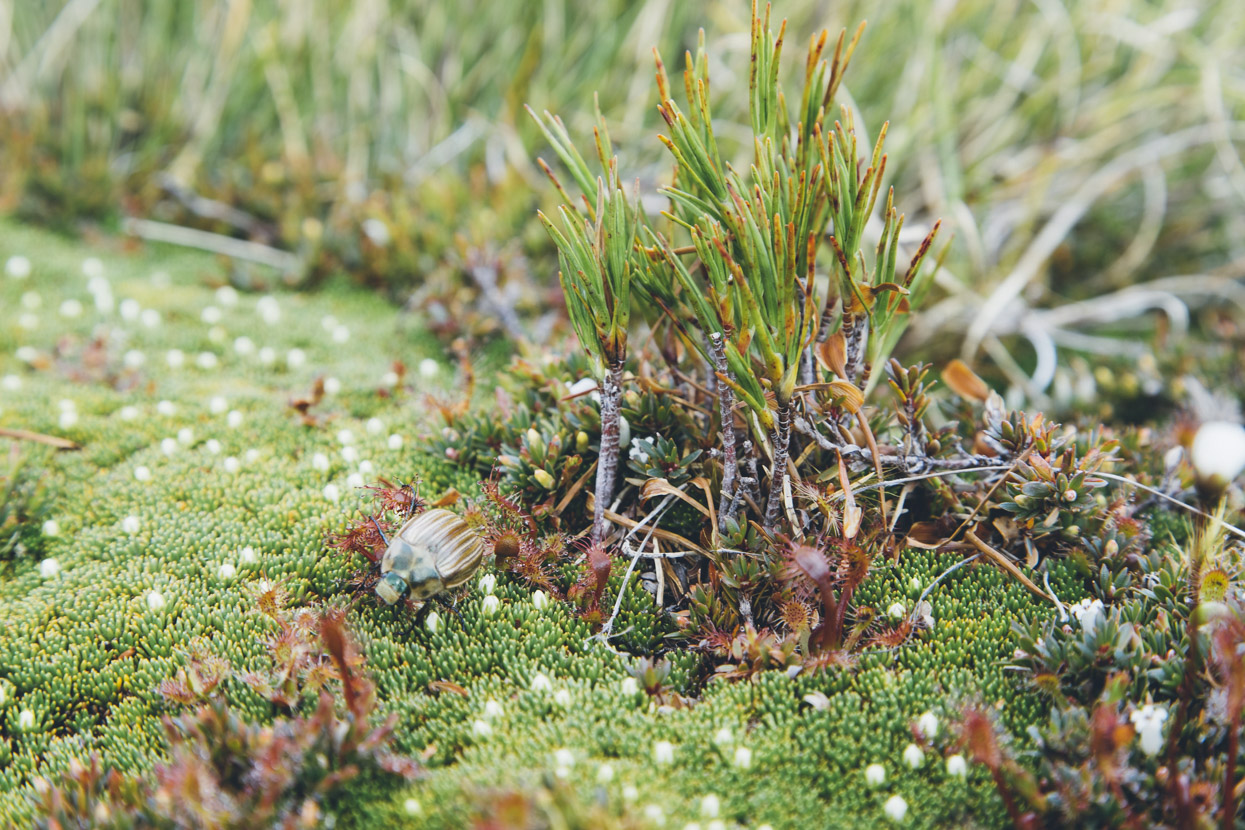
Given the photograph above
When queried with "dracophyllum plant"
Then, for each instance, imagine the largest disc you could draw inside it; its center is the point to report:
(595, 254)
(761, 269)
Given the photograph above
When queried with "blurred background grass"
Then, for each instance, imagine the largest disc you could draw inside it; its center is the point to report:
(1075, 149)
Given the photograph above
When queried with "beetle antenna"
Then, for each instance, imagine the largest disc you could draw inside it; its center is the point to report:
(383, 537)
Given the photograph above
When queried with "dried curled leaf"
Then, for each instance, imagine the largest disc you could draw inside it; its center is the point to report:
(965, 382)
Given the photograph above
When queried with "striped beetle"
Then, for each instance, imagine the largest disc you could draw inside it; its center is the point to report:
(433, 552)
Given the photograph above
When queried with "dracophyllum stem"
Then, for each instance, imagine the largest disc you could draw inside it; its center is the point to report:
(726, 406)
(607, 462)
(780, 437)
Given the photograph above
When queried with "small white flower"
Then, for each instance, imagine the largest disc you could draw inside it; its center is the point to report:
(629, 686)
(26, 720)
(213, 446)
(375, 426)
(28, 321)
(1089, 613)
(724, 736)
(957, 767)
(49, 568)
(155, 600)
(630, 793)
(927, 725)
(490, 605)
(345, 437)
(541, 683)
(295, 358)
(226, 572)
(332, 492)
(104, 301)
(248, 556)
(166, 408)
(488, 582)
(540, 600)
(142, 473)
(134, 358)
(51, 528)
(130, 310)
(251, 456)
(128, 413)
(210, 315)
(320, 461)
(267, 355)
(481, 729)
(207, 360)
(564, 757)
(389, 379)
(428, 368)
(896, 808)
(17, 267)
(562, 697)
(92, 267)
(875, 775)
(332, 386)
(377, 232)
(433, 622)
(366, 467)
(395, 442)
(1148, 721)
(68, 419)
(244, 345)
(12, 383)
(227, 296)
(71, 308)
(234, 419)
(492, 710)
(710, 806)
(412, 807)
(654, 814)
(1218, 452)
(605, 774)
(185, 436)
(743, 758)
(896, 611)
(913, 756)
(175, 358)
(269, 310)
(27, 354)
(663, 752)
(232, 464)
(150, 317)
(131, 525)
(354, 480)
(341, 334)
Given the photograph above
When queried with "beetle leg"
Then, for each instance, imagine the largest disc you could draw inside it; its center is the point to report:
(410, 504)
(451, 606)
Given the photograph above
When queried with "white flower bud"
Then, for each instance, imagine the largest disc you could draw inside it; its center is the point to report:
(875, 775)
(896, 808)
(957, 767)
(913, 756)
